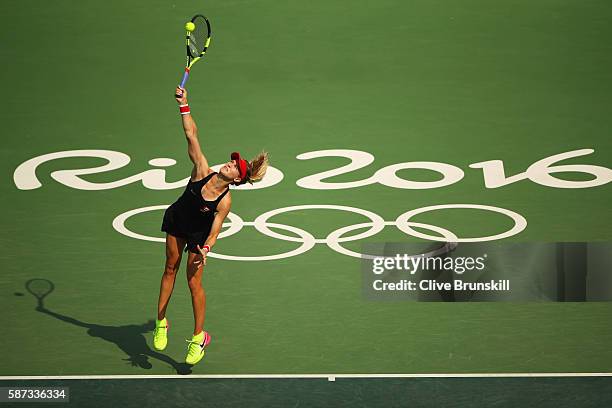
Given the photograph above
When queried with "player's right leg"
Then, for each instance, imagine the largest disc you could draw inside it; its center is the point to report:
(174, 249)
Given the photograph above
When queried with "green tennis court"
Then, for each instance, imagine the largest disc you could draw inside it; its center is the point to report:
(320, 85)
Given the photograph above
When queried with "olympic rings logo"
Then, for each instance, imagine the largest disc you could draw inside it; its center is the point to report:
(334, 239)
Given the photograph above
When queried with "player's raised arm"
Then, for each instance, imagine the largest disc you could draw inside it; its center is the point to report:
(200, 164)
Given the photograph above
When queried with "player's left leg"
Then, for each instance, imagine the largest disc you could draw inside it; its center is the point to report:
(198, 295)
(200, 338)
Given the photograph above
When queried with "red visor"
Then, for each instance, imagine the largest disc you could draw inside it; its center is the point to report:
(241, 163)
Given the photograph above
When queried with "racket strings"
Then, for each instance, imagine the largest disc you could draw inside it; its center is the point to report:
(198, 37)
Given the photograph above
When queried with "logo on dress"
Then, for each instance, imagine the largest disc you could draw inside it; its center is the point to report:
(204, 209)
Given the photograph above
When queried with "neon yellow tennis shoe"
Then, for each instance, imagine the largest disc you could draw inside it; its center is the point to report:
(195, 350)
(160, 335)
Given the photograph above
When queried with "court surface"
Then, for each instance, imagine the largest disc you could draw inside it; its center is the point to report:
(380, 83)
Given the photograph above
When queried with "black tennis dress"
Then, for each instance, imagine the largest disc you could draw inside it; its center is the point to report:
(191, 217)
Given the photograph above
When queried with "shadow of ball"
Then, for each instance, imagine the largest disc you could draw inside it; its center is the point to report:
(18, 294)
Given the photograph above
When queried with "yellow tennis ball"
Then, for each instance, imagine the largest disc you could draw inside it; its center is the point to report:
(189, 26)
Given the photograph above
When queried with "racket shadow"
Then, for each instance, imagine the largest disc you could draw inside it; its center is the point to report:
(128, 338)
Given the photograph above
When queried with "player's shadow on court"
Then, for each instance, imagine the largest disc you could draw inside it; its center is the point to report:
(129, 338)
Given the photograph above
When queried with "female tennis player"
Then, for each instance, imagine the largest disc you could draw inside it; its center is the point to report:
(193, 223)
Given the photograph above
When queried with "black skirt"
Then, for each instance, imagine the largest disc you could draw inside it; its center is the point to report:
(180, 226)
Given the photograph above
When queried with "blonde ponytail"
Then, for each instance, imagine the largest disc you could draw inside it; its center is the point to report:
(257, 167)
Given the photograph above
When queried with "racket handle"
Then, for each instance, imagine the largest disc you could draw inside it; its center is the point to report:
(185, 76)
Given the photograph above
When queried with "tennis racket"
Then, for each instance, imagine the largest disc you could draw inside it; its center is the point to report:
(40, 288)
(197, 44)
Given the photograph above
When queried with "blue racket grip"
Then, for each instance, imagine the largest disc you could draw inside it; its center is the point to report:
(185, 76)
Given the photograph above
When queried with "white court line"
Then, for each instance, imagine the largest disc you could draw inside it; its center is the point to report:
(330, 377)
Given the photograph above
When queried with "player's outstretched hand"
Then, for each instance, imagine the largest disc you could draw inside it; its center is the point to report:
(181, 95)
